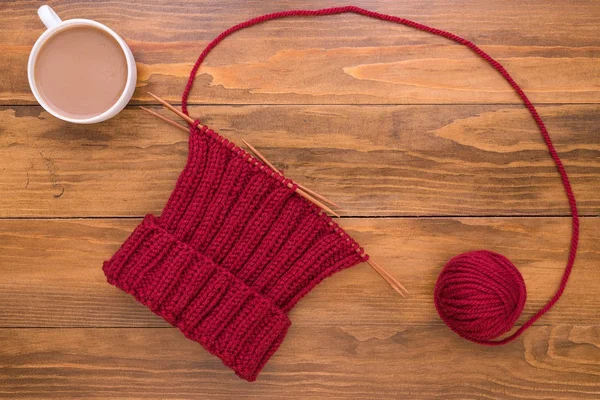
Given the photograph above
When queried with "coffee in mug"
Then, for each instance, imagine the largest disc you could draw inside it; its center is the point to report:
(80, 70)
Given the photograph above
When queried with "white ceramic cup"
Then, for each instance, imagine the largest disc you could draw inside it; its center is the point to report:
(55, 25)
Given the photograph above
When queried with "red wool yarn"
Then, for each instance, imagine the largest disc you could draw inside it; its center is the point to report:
(480, 295)
(235, 248)
(477, 330)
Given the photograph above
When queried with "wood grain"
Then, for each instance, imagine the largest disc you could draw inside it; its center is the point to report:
(551, 49)
(372, 160)
(52, 277)
(331, 362)
(426, 148)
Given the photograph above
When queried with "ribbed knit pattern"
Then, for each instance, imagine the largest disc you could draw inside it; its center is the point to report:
(235, 247)
(233, 251)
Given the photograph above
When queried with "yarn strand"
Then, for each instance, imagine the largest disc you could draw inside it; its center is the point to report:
(495, 64)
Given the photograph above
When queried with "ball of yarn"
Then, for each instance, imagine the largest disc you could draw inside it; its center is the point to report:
(480, 295)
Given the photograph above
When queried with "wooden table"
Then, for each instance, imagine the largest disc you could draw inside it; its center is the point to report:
(427, 149)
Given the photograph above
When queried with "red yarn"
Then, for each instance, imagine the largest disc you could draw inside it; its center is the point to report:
(480, 295)
(235, 248)
(488, 263)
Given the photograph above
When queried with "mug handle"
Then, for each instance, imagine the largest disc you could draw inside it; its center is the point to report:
(48, 16)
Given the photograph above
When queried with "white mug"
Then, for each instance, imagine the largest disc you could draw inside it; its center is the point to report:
(55, 25)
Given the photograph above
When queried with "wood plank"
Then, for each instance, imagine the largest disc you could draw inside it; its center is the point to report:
(373, 160)
(52, 277)
(333, 60)
(333, 362)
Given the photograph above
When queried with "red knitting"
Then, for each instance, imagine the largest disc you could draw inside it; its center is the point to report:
(232, 253)
(235, 248)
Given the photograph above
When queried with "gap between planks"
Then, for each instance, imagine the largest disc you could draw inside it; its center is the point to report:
(138, 103)
(134, 217)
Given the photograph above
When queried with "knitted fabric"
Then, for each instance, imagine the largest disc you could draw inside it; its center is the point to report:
(233, 251)
(235, 247)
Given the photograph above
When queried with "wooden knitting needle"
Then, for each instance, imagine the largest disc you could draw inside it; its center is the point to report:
(256, 152)
(393, 282)
(298, 190)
